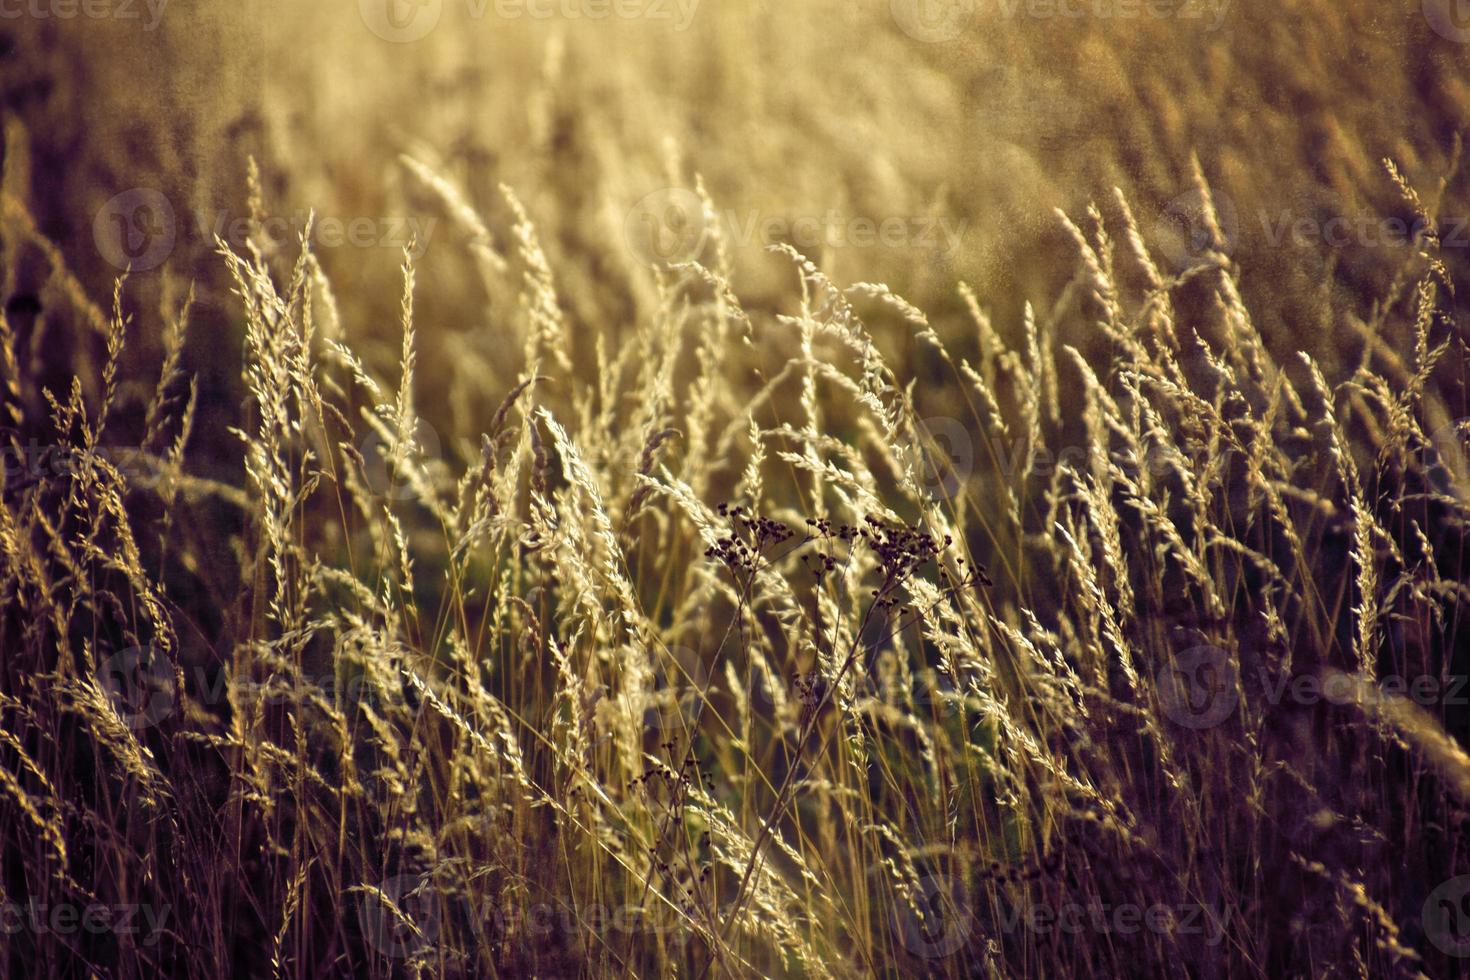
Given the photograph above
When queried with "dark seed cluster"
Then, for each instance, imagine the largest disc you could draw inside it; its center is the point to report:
(689, 772)
(901, 549)
(1031, 869)
(751, 539)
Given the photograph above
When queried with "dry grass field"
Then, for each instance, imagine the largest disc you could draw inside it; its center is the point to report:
(591, 488)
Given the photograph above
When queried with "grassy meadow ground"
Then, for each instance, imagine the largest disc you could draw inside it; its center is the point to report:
(557, 488)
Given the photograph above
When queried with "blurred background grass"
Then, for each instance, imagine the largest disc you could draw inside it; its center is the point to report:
(874, 111)
(786, 111)
(987, 116)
